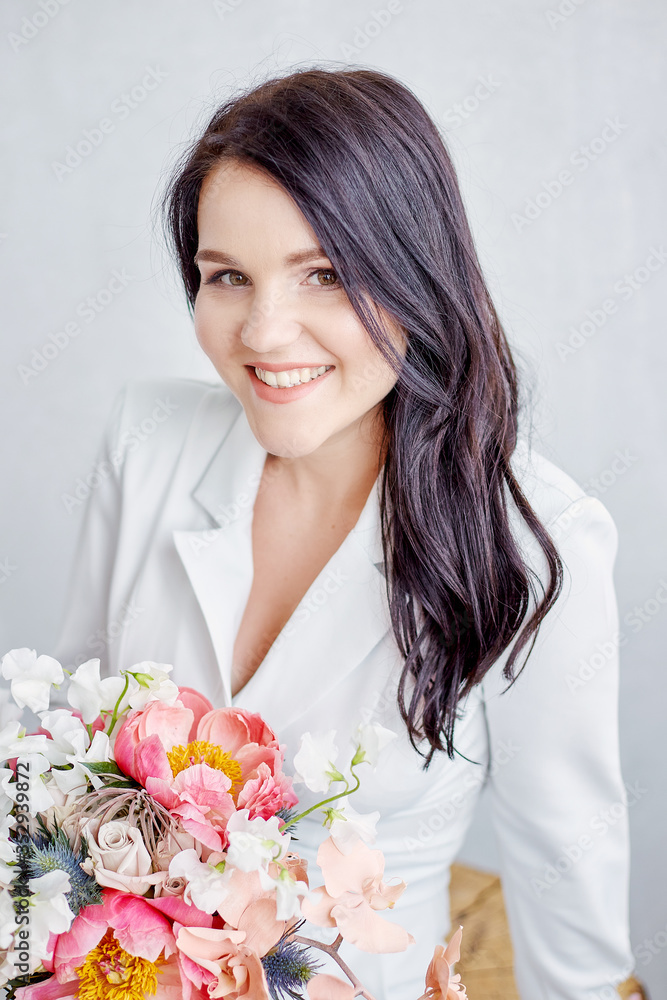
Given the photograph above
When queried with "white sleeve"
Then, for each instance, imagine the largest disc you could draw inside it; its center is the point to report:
(558, 799)
(83, 628)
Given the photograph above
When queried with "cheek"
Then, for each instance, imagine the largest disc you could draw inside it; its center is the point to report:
(210, 330)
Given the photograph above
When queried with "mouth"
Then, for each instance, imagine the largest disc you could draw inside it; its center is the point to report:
(286, 385)
(290, 377)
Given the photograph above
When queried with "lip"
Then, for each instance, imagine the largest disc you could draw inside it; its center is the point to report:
(288, 366)
(272, 394)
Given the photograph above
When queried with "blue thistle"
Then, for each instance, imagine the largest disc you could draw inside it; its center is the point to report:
(288, 967)
(287, 815)
(55, 853)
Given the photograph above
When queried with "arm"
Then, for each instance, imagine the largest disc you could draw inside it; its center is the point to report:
(559, 805)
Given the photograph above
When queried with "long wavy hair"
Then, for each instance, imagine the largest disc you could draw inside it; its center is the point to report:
(367, 166)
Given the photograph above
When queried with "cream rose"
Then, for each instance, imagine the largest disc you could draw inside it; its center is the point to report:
(171, 886)
(118, 857)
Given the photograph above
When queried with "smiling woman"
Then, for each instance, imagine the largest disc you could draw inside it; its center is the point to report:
(350, 527)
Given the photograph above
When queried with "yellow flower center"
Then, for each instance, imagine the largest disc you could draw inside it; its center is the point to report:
(200, 752)
(109, 973)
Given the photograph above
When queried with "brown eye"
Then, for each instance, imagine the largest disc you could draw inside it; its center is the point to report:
(233, 276)
(331, 279)
(217, 279)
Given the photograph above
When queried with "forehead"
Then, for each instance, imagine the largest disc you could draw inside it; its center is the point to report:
(236, 196)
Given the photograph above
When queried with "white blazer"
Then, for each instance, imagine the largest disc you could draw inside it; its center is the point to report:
(163, 571)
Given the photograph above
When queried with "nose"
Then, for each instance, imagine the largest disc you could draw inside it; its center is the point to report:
(270, 323)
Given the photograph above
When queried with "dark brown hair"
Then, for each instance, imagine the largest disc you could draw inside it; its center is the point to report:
(368, 168)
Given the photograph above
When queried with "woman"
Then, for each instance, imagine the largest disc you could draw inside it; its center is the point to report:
(350, 527)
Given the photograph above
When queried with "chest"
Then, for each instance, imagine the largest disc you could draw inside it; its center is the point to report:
(291, 545)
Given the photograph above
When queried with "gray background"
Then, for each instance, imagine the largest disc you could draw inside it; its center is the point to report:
(534, 82)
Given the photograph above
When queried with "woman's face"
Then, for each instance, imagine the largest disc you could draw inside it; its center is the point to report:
(269, 302)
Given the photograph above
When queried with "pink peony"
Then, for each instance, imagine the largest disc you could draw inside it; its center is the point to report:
(141, 927)
(266, 793)
(202, 764)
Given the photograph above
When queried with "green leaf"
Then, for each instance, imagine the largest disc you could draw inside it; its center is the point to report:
(103, 767)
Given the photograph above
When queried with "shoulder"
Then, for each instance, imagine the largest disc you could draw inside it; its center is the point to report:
(167, 411)
(571, 516)
(180, 398)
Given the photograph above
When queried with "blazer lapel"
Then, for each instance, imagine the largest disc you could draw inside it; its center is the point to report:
(340, 619)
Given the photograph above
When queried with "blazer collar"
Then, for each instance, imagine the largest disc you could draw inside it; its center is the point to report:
(336, 635)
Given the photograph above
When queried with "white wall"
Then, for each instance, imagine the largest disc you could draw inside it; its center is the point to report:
(552, 82)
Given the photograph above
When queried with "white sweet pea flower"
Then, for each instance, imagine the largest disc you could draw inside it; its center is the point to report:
(50, 912)
(68, 735)
(372, 738)
(14, 741)
(314, 762)
(76, 778)
(288, 891)
(152, 684)
(347, 826)
(91, 695)
(253, 843)
(31, 677)
(7, 920)
(207, 886)
(33, 766)
(9, 710)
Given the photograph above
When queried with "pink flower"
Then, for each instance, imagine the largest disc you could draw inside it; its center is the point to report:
(352, 893)
(142, 928)
(199, 763)
(139, 928)
(266, 793)
(440, 984)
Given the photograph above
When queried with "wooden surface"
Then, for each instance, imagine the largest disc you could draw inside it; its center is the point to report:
(476, 901)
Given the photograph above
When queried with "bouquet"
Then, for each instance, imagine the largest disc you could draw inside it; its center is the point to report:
(148, 848)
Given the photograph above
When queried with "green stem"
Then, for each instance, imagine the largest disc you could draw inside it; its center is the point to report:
(117, 706)
(324, 802)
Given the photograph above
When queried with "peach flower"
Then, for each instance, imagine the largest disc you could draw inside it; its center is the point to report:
(351, 896)
(222, 961)
(325, 987)
(440, 984)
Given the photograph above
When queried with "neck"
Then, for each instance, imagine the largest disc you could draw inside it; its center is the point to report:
(340, 473)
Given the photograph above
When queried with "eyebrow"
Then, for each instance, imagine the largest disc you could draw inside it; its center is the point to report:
(298, 257)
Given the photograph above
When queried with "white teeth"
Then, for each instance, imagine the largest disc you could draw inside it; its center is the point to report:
(295, 376)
